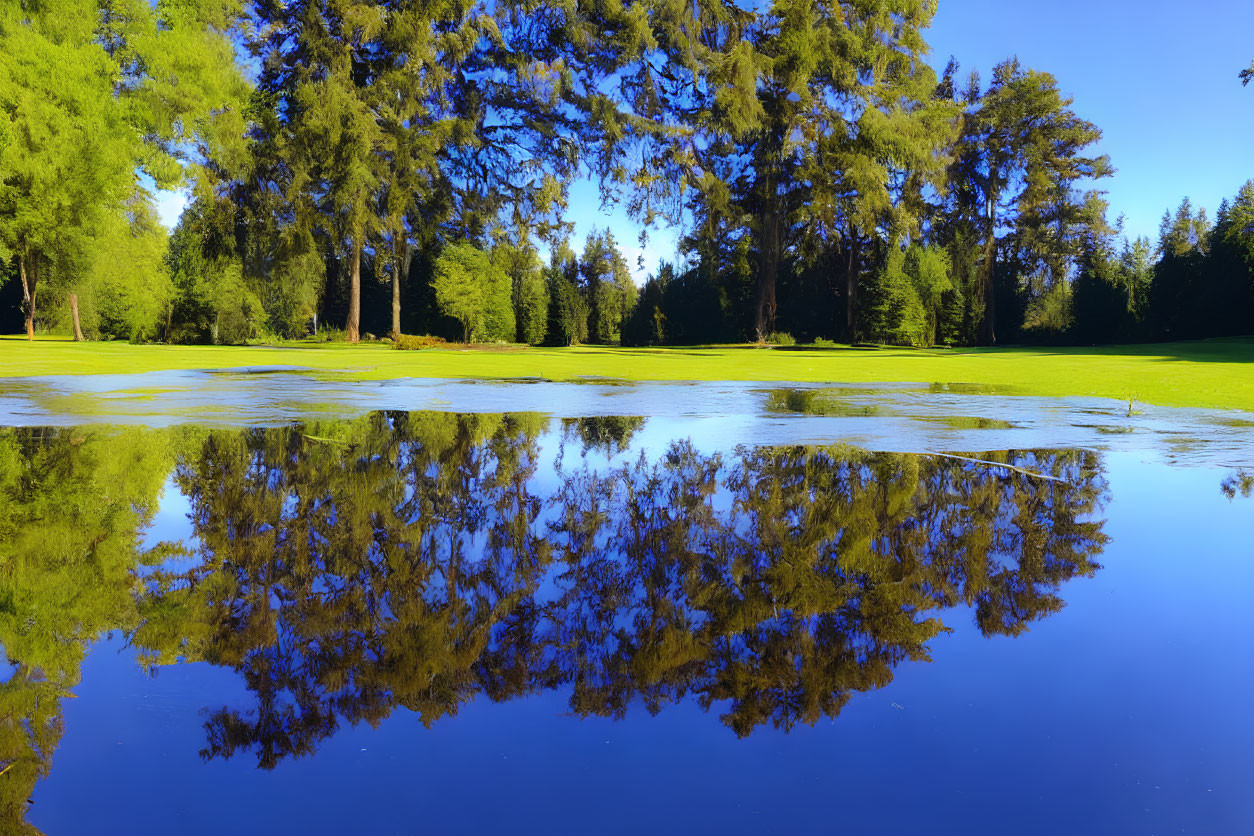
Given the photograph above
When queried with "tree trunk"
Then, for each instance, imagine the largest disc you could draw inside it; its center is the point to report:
(990, 298)
(353, 329)
(851, 290)
(990, 256)
(78, 331)
(29, 280)
(768, 269)
(396, 298)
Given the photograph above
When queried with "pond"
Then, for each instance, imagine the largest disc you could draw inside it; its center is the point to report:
(716, 608)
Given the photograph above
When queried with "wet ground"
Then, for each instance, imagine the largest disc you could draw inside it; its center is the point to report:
(901, 417)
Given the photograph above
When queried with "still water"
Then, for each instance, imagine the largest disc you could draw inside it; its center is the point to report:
(443, 622)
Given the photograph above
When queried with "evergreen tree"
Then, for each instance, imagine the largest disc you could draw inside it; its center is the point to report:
(1019, 155)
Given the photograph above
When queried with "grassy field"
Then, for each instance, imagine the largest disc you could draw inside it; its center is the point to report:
(1208, 373)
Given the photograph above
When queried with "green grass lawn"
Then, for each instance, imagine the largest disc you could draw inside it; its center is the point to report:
(1208, 373)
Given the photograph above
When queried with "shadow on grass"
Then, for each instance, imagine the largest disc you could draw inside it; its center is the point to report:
(1213, 350)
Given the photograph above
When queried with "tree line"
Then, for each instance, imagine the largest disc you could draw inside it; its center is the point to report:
(392, 167)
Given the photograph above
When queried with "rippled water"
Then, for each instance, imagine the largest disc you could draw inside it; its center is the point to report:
(737, 609)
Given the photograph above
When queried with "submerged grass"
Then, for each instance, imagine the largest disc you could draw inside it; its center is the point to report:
(968, 422)
(817, 402)
(1207, 373)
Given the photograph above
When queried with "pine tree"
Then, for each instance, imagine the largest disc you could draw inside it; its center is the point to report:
(1019, 155)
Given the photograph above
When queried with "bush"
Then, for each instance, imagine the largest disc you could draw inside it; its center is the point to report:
(823, 342)
(780, 338)
(409, 342)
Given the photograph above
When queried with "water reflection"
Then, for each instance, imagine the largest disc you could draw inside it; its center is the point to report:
(73, 504)
(408, 560)
(418, 560)
(1239, 483)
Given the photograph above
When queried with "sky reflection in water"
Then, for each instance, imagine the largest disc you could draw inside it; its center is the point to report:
(430, 622)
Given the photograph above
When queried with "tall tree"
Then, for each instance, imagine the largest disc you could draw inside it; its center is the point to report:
(317, 71)
(1018, 160)
(766, 122)
(92, 94)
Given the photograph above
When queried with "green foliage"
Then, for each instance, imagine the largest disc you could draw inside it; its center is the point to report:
(1016, 164)
(476, 292)
(607, 286)
(90, 94)
(1049, 315)
(568, 312)
(528, 291)
(800, 145)
(780, 338)
(125, 288)
(646, 324)
(212, 302)
(908, 298)
(408, 342)
(895, 313)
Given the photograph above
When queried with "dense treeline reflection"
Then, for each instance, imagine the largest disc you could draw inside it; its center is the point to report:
(420, 560)
(412, 560)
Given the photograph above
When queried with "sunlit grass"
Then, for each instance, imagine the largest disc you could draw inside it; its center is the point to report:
(1208, 373)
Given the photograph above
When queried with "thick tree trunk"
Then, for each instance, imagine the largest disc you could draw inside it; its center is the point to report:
(78, 331)
(396, 298)
(353, 329)
(30, 278)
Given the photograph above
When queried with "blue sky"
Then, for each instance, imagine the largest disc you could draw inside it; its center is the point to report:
(1159, 77)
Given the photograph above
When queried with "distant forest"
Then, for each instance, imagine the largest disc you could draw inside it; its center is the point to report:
(361, 168)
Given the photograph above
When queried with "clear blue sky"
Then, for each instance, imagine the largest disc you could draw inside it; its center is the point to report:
(1159, 77)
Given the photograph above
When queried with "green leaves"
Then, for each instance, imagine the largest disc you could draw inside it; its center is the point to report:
(475, 291)
(93, 94)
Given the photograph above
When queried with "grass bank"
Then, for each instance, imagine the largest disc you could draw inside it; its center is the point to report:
(1207, 373)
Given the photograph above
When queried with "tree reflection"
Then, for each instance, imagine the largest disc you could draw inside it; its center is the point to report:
(350, 568)
(1238, 483)
(605, 434)
(74, 504)
(346, 569)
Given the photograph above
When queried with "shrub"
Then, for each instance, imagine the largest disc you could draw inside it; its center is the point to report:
(328, 334)
(781, 338)
(410, 342)
(823, 342)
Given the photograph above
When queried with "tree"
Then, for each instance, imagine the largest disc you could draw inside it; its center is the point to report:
(91, 93)
(474, 290)
(317, 79)
(67, 160)
(1018, 159)
(793, 126)
(528, 292)
(568, 312)
(607, 287)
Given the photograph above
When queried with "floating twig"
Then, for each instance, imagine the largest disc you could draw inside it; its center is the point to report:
(1034, 474)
